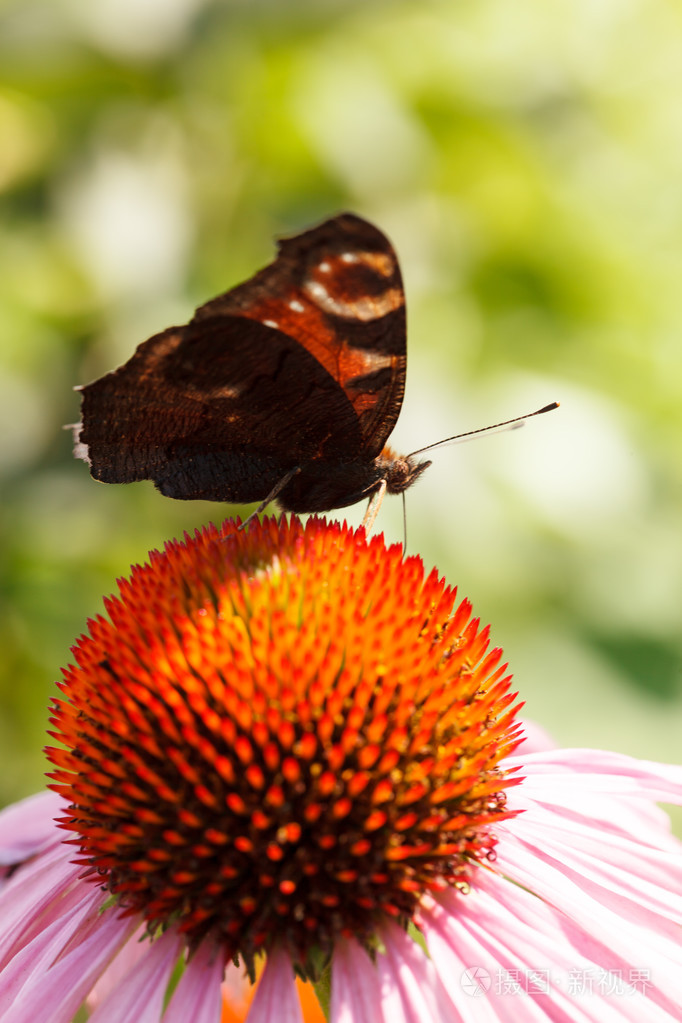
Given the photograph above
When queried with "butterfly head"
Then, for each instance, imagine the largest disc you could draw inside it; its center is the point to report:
(399, 471)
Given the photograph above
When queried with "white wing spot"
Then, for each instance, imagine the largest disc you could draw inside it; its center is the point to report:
(349, 257)
(317, 292)
(324, 267)
(296, 306)
(271, 323)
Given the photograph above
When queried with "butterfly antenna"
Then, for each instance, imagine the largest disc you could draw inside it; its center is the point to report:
(486, 429)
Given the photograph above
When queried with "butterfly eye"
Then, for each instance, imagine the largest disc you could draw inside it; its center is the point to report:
(354, 285)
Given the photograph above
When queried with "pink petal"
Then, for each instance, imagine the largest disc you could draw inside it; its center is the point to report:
(535, 739)
(355, 986)
(613, 868)
(589, 944)
(613, 773)
(36, 894)
(411, 991)
(27, 826)
(504, 955)
(276, 999)
(54, 994)
(616, 921)
(140, 995)
(132, 952)
(631, 815)
(197, 997)
(34, 957)
(236, 989)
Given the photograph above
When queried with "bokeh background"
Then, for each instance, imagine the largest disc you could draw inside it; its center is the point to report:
(525, 159)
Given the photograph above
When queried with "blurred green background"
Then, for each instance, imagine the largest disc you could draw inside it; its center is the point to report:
(525, 159)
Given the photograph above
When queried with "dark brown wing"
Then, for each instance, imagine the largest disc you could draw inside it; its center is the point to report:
(220, 410)
(338, 291)
(304, 364)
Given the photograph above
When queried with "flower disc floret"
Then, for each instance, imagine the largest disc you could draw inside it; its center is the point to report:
(282, 736)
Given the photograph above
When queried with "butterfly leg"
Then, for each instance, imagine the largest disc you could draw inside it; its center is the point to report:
(278, 487)
(373, 506)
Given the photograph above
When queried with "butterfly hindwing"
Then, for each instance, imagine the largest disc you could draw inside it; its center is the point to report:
(198, 412)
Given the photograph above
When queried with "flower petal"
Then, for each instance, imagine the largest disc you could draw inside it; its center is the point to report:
(55, 992)
(618, 923)
(276, 997)
(535, 738)
(198, 995)
(411, 990)
(37, 952)
(140, 996)
(606, 772)
(591, 844)
(131, 953)
(642, 884)
(355, 986)
(37, 894)
(504, 955)
(236, 991)
(28, 826)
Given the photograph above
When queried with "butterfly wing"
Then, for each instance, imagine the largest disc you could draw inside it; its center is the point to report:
(199, 411)
(338, 291)
(302, 364)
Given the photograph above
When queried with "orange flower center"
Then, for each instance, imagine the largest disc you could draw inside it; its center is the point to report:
(282, 735)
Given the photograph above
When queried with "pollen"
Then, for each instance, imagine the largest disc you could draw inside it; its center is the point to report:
(282, 735)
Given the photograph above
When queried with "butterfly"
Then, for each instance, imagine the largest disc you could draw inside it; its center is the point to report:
(286, 386)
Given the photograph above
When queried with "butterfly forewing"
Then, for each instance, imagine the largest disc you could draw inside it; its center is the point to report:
(301, 367)
(338, 291)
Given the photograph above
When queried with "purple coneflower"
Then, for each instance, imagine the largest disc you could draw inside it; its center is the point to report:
(289, 750)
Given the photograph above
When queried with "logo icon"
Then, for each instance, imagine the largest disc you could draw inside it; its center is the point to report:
(476, 981)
